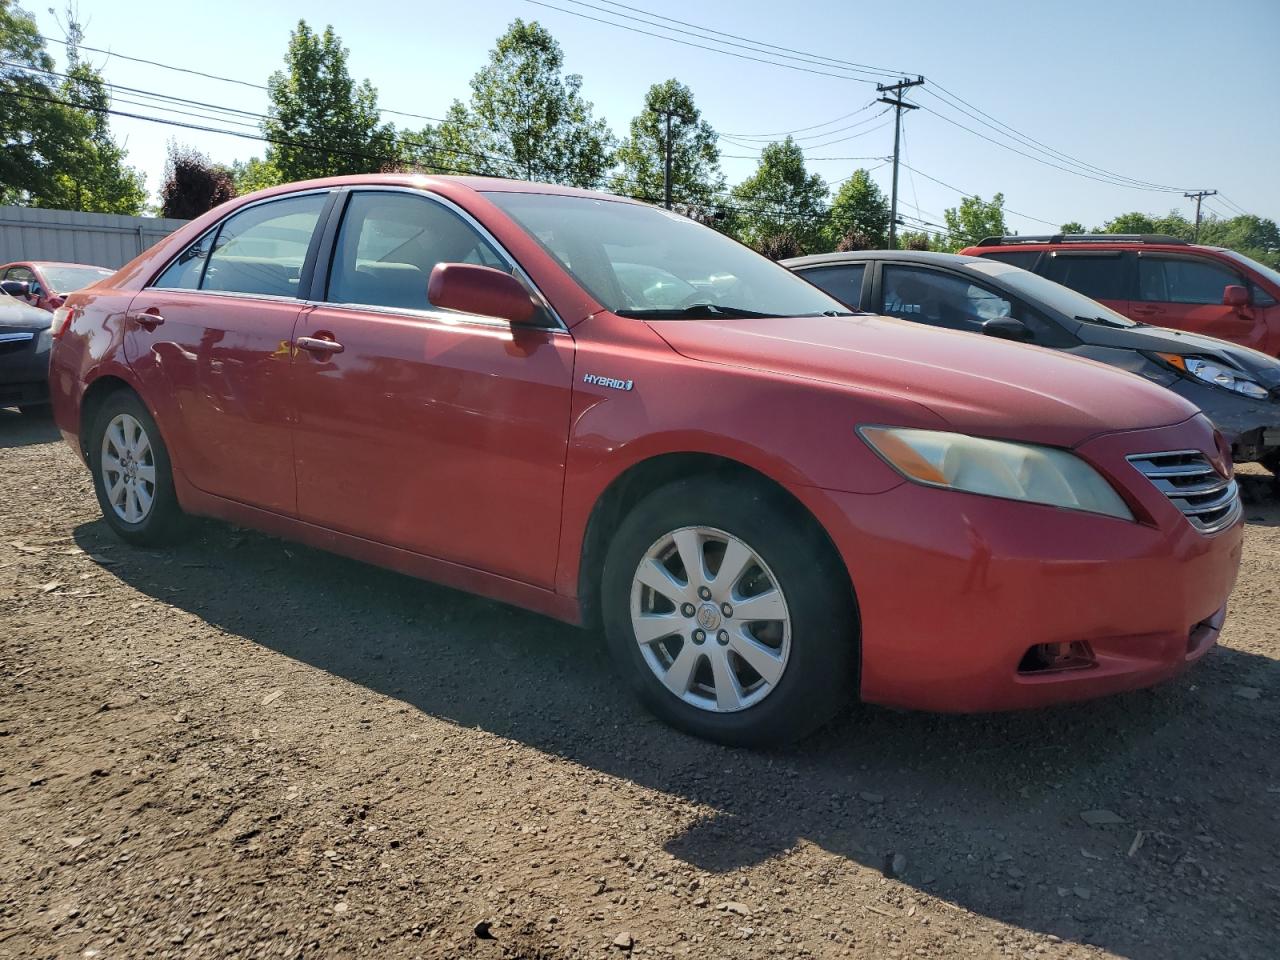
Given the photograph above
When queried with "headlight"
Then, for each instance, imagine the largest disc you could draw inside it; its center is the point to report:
(1210, 371)
(996, 468)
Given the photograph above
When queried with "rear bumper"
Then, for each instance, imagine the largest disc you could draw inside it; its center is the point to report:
(955, 589)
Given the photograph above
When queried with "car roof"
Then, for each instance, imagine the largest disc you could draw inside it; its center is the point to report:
(858, 256)
(427, 181)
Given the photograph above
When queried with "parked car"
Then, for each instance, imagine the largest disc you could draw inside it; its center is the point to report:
(24, 356)
(770, 504)
(1159, 280)
(45, 284)
(1238, 388)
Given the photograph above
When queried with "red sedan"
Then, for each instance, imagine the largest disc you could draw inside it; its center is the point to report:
(609, 414)
(45, 284)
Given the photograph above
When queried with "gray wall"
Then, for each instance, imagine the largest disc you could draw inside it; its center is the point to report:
(105, 239)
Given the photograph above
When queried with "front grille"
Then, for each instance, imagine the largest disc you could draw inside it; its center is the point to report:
(1208, 501)
(16, 341)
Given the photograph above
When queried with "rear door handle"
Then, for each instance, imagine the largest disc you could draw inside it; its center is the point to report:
(147, 319)
(319, 345)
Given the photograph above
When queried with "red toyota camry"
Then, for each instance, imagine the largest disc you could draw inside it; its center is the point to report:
(607, 413)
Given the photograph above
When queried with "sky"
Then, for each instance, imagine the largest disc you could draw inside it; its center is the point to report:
(1176, 93)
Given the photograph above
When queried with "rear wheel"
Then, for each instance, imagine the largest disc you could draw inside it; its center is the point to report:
(729, 613)
(131, 473)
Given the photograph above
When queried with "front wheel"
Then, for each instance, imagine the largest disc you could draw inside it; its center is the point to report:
(131, 473)
(730, 613)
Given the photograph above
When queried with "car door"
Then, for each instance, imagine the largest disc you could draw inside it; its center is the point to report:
(843, 281)
(1102, 275)
(425, 429)
(1186, 292)
(209, 340)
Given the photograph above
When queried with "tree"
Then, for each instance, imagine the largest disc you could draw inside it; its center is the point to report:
(1255, 237)
(859, 215)
(58, 149)
(912, 240)
(526, 118)
(695, 157)
(192, 184)
(321, 123)
(254, 174)
(781, 197)
(1172, 225)
(1073, 226)
(974, 220)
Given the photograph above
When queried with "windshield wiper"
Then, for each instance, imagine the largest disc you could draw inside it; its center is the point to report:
(695, 311)
(1103, 321)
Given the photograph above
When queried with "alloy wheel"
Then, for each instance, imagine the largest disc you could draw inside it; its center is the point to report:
(711, 619)
(128, 468)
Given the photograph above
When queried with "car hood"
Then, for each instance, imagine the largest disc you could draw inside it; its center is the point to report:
(16, 314)
(1262, 368)
(977, 384)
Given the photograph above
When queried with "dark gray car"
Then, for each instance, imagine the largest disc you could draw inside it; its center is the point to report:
(24, 355)
(1237, 388)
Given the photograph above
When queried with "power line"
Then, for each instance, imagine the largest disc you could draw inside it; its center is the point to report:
(688, 43)
(813, 136)
(967, 193)
(786, 133)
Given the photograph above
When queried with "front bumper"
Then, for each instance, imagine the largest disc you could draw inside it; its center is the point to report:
(955, 589)
(1252, 427)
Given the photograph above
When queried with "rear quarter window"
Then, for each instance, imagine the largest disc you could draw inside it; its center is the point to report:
(1099, 276)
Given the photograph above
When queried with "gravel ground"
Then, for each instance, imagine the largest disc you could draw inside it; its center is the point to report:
(244, 748)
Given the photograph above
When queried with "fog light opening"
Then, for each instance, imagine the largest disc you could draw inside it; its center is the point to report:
(1055, 657)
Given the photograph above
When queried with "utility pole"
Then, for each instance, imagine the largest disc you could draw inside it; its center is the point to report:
(896, 101)
(1197, 196)
(666, 159)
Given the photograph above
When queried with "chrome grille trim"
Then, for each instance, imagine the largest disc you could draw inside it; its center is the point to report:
(1209, 502)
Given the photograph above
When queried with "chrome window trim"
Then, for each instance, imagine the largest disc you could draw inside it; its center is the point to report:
(19, 337)
(502, 252)
(150, 284)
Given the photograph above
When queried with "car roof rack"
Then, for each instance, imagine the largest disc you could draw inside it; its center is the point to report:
(1082, 238)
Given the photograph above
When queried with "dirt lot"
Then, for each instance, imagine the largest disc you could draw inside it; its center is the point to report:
(246, 748)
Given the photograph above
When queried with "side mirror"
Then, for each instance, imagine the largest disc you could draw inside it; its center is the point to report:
(1235, 296)
(469, 288)
(16, 288)
(1007, 328)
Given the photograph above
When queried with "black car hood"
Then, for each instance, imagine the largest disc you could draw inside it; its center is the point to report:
(14, 314)
(1260, 367)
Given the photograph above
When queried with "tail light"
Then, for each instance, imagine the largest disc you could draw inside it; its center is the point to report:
(62, 318)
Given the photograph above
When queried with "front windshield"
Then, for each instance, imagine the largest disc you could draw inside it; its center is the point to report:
(1252, 264)
(1053, 295)
(71, 279)
(645, 262)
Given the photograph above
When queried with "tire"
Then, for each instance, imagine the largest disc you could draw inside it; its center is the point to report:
(135, 518)
(808, 655)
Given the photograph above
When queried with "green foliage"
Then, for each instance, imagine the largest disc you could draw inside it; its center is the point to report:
(58, 149)
(1173, 225)
(974, 220)
(859, 215)
(695, 158)
(254, 174)
(526, 118)
(912, 240)
(321, 122)
(780, 198)
(1253, 236)
(1073, 226)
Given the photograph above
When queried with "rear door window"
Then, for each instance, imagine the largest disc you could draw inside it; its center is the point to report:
(1183, 280)
(843, 281)
(1099, 276)
(259, 250)
(1026, 259)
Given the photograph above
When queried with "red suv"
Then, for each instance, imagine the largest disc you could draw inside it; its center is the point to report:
(608, 413)
(1159, 280)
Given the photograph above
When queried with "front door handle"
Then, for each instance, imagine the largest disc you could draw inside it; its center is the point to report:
(148, 319)
(319, 345)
